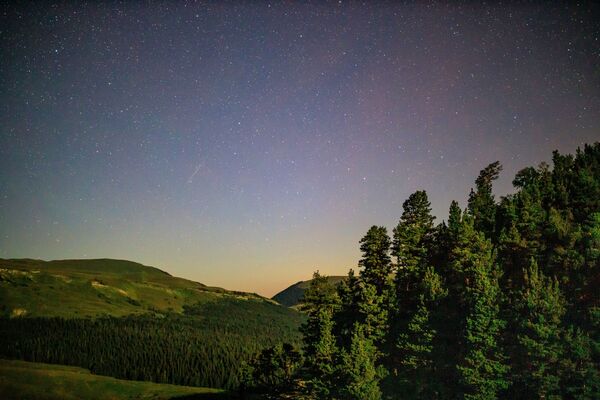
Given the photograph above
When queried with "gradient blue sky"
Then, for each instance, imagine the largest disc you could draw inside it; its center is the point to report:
(245, 145)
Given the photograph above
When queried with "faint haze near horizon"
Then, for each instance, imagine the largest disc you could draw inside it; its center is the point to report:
(247, 145)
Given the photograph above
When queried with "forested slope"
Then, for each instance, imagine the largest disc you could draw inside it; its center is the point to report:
(130, 321)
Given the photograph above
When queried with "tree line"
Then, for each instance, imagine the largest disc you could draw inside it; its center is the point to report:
(501, 300)
(203, 347)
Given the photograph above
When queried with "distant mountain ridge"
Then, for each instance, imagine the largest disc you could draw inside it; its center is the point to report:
(292, 296)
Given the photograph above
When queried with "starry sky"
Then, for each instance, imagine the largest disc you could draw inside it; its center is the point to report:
(247, 144)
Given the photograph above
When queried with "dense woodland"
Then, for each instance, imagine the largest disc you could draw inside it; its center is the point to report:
(500, 301)
(204, 347)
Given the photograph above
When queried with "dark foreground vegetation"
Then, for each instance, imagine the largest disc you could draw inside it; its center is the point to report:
(203, 347)
(500, 301)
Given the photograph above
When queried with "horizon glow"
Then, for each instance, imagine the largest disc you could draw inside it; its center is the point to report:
(247, 145)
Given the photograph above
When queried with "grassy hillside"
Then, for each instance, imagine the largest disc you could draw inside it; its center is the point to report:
(35, 381)
(292, 296)
(127, 320)
(90, 288)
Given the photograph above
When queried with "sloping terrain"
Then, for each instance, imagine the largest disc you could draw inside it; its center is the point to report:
(91, 288)
(292, 296)
(127, 320)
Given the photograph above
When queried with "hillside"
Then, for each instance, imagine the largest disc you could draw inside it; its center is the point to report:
(130, 321)
(91, 288)
(35, 381)
(292, 296)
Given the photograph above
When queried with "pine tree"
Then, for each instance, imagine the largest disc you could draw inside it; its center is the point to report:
(584, 183)
(411, 247)
(445, 240)
(371, 293)
(580, 364)
(359, 375)
(415, 342)
(375, 262)
(454, 217)
(481, 365)
(448, 321)
(482, 206)
(320, 352)
(587, 280)
(272, 371)
(418, 289)
(348, 314)
(372, 312)
(539, 311)
(519, 221)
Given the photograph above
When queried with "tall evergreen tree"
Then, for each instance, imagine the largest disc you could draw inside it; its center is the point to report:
(411, 247)
(359, 375)
(375, 263)
(448, 321)
(482, 205)
(272, 371)
(320, 352)
(454, 217)
(348, 314)
(445, 239)
(481, 364)
(587, 279)
(416, 341)
(418, 287)
(372, 312)
(537, 358)
(584, 183)
(581, 364)
(371, 293)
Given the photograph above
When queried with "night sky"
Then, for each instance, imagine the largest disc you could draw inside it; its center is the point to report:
(245, 145)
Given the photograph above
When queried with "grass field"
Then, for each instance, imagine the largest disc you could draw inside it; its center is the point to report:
(35, 381)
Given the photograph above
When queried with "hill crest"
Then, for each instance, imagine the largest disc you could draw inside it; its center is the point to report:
(98, 287)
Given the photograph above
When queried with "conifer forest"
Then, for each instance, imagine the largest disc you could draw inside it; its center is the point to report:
(499, 301)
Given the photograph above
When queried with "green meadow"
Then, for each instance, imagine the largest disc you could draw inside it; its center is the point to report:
(35, 381)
